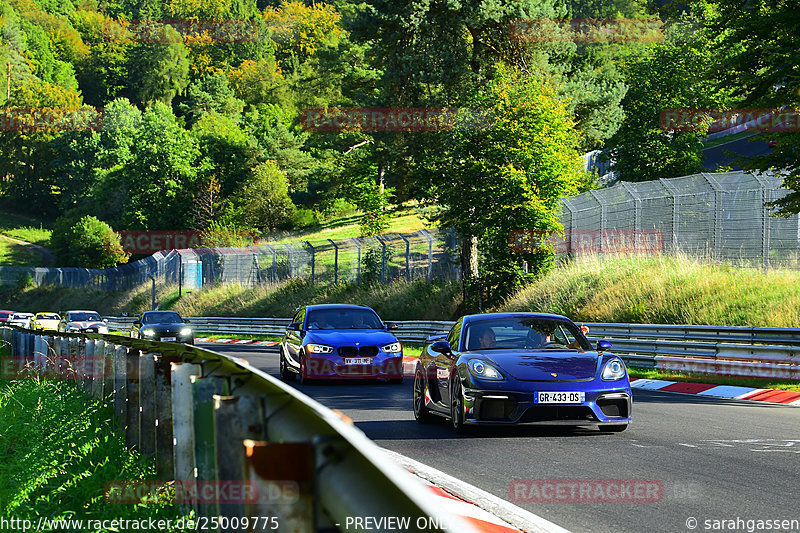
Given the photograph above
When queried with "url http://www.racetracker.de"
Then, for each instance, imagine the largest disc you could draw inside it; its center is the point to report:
(23, 525)
(741, 524)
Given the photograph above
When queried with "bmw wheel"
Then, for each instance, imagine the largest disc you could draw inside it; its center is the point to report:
(286, 374)
(421, 413)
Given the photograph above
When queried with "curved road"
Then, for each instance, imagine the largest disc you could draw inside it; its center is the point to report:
(714, 459)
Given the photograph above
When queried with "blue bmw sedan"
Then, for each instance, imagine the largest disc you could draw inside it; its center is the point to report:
(521, 368)
(340, 341)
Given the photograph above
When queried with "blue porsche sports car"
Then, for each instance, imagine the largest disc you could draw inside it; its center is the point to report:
(521, 368)
(339, 341)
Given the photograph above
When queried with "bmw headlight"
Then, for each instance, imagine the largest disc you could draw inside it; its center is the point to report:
(148, 332)
(614, 370)
(395, 347)
(319, 348)
(186, 332)
(484, 370)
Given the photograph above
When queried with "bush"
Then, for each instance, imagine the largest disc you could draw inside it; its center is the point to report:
(303, 218)
(86, 242)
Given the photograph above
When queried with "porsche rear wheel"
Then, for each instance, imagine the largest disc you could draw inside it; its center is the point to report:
(457, 406)
(421, 413)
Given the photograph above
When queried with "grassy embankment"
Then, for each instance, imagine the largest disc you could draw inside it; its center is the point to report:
(58, 450)
(26, 229)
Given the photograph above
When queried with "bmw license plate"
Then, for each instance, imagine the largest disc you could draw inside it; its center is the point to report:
(357, 361)
(559, 397)
(168, 339)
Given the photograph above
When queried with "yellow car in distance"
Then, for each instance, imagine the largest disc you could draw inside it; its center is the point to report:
(45, 322)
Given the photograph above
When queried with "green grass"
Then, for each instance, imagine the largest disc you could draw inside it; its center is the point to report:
(728, 138)
(30, 234)
(404, 219)
(636, 373)
(59, 449)
(664, 290)
(13, 254)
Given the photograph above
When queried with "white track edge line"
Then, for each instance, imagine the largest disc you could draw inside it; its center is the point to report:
(514, 515)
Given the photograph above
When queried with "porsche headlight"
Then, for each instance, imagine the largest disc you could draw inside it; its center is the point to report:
(148, 332)
(102, 329)
(394, 347)
(614, 370)
(484, 370)
(319, 348)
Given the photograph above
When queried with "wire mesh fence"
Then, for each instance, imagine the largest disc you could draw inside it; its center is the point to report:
(422, 255)
(721, 216)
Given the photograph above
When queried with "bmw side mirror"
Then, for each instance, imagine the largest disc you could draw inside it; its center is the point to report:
(105, 320)
(187, 321)
(442, 347)
(603, 346)
(294, 326)
(392, 325)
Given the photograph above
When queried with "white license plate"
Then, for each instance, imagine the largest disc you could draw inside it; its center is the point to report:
(559, 397)
(357, 361)
(168, 339)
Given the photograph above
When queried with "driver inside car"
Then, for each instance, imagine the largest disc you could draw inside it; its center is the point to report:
(486, 339)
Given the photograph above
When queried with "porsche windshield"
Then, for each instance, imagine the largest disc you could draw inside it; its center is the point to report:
(524, 333)
(84, 317)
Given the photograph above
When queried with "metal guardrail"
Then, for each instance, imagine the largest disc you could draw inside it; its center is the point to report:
(742, 351)
(204, 417)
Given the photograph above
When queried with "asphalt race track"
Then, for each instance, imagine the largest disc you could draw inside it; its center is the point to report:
(711, 459)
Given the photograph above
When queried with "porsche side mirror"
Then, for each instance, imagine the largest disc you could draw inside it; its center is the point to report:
(442, 347)
(603, 346)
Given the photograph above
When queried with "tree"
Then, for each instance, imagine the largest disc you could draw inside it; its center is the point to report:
(159, 70)
(211, 93)
(162, 175)
(86, 242)
(489, 182)
(263, 200)
(676, 75)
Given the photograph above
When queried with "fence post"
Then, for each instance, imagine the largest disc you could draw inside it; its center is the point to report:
(358, 245)
(313, 256)
(290, 259)
(675, 212)
(120, 384)
(147, 404)
(428, 236)
(765, 218)
(335, 262)
(408, 262)
(98, 367)
(717, 213)
(132, 396)
(271, 249)
(383, 259)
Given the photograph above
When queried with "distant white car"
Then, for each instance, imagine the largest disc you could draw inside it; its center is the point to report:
(83, 322)
(22, 320)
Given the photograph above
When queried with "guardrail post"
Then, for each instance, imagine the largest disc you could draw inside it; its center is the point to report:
(203, 391)
(183, 419)
(132, 397)
(165, 464)
(237, 418)
(86, 364)
(147, 404)
(120, 385)
(99, 368)
(284, 475)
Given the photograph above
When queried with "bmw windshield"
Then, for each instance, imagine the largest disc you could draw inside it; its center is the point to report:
(343, 319)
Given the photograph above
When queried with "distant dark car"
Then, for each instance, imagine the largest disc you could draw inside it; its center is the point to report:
(83, 322)
(5, 316)
(164, 326)
(521, 368)
(338, 341)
